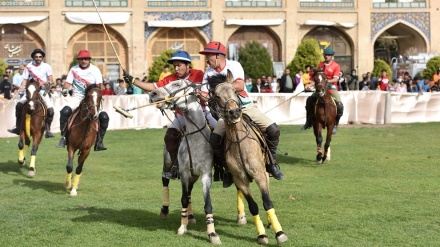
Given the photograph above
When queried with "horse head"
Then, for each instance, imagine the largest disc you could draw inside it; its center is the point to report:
(32, 93)
(224, 98)
(320, 82)
(173, 95)
(92, 101)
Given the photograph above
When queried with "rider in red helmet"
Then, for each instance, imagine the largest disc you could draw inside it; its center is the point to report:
(42, 72)
(78, 79)
(215, 53)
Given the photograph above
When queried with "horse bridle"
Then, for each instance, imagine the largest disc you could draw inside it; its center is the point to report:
(90, 116)
(221, 110)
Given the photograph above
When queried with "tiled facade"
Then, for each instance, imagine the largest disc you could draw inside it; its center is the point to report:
(141, 29)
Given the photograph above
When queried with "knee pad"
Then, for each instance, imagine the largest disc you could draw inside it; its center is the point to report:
(273, 131)
(50, 112)
(215, 140)
(103, 120)
(65, 113)
(171, 139)
(18, 108)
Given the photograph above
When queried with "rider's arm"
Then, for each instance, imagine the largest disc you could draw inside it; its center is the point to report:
(147, 86)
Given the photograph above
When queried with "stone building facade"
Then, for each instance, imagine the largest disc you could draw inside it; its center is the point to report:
(141, 29)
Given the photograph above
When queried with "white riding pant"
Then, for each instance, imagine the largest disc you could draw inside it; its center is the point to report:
(46, 99)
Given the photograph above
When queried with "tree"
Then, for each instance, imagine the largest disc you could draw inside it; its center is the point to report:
(158, 64)
(3, 67)
(431, 67)
(307, 53)
(380, 65)
(255, 59)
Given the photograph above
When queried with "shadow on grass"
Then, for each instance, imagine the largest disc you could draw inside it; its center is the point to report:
(151, 221)
(33, 184)
(11, 168)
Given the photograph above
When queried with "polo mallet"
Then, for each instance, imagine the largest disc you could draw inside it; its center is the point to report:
(284, 101)
(125, 112)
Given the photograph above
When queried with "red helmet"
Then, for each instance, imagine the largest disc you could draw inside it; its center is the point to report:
(214, 47)
(83, 54)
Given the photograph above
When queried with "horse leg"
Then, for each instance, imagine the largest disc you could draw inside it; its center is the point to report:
(35, 143)
(272, 218)
(82, 157)
(328, 139)
(184, 210)
(165, 198)
(191, 218)
(241, 218)
(69, 168)
(318, 137)
(206, 187)
(22, 149)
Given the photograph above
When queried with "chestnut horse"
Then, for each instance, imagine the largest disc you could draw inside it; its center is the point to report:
(245, 157)
(82, 129)
(324, 116)
(195, 154)
(32, 124)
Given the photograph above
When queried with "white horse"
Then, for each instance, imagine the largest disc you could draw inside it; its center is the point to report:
(195, 155)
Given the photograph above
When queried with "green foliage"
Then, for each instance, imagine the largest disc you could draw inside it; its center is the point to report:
(431, 67)
(158, 64)
(380, 65)
(307, 53)
(255, 59)
(73, 62)
(3, 66)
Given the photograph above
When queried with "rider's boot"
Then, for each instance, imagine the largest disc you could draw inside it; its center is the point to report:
(216, 143)
(16, 129)
(65, 113)
(309, 110)
(172, 141)
(340, 111)
(103, 124)
(48, 122)
(218, 170)
(272, 138)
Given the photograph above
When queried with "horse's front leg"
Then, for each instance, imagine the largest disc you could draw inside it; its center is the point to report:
(318, 138)
(328, 139)
(22, 149)
(206, 187)
(69, 168)
(165, 198)
(82, 157)
(35, 143)
(184, 210)
(272, 218)
(241, 217)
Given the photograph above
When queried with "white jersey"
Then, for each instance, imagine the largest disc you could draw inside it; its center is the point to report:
(233, 66)
(80, 79)
(40, 73)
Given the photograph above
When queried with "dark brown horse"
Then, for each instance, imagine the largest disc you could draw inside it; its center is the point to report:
(81, 134)
(324, 116)
(32, 125)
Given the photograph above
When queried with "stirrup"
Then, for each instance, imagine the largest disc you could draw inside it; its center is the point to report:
(307, 125)
(174, 172)
(14, 131)
(275, 171)
(99, 146)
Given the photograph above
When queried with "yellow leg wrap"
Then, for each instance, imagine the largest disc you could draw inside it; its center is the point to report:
(240, 204)
(210, 223)
(165, 196)
(25, 149)
(76, 181)
(184, 214)
(20, 155)
(259, 224)
(274, 220)
(68, 177)
(32, 164)
(28, 125)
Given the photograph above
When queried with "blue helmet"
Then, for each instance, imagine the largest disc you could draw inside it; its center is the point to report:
(329, 51)
(180, 56)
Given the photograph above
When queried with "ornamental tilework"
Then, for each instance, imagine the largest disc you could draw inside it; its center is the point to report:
(168, 16)
(420, 20)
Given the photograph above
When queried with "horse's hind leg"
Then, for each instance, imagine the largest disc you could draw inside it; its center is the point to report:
(328, 139)
(69, 169)
(35, 143)
(273, 219)
(241, 218)
(206, 186)
(82, 157)
(22, 149)
(318, 138)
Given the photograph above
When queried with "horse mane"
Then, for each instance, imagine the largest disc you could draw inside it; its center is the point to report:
(90, 87)
(215, 80)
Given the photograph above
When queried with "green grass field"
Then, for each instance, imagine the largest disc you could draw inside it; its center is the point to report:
(381, 188)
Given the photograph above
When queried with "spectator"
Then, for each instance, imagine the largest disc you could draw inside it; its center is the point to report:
(366, 86)
(18, 79)
(256, 88)
(8, 72)
(5, 87)
(342, 83)
(107, 89)
(120, 89)
(401, 88)
(274, 87)
(436, 76)
(391, 87)
(364, 82)
(424, 86)
(435, 87)
(287, 84)
(298, 78)
(383, 80)
(166, 72)
(413, 87)
(306, 75)
(248, 84)
(353, 82)
(373, 82)
(136, 89)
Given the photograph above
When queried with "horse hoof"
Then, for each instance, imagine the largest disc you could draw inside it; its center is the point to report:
(31, 173)
(281, 237)
(182, 230)
(22, 162)
(241, 219)
(262, 239)
(269, 226)
(191, 219)
(214, 238)
(73, 193)
(67, 185)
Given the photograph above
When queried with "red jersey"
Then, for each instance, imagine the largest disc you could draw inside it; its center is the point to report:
(331, 71)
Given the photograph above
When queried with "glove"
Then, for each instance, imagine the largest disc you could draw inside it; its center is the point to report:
(128, 78)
